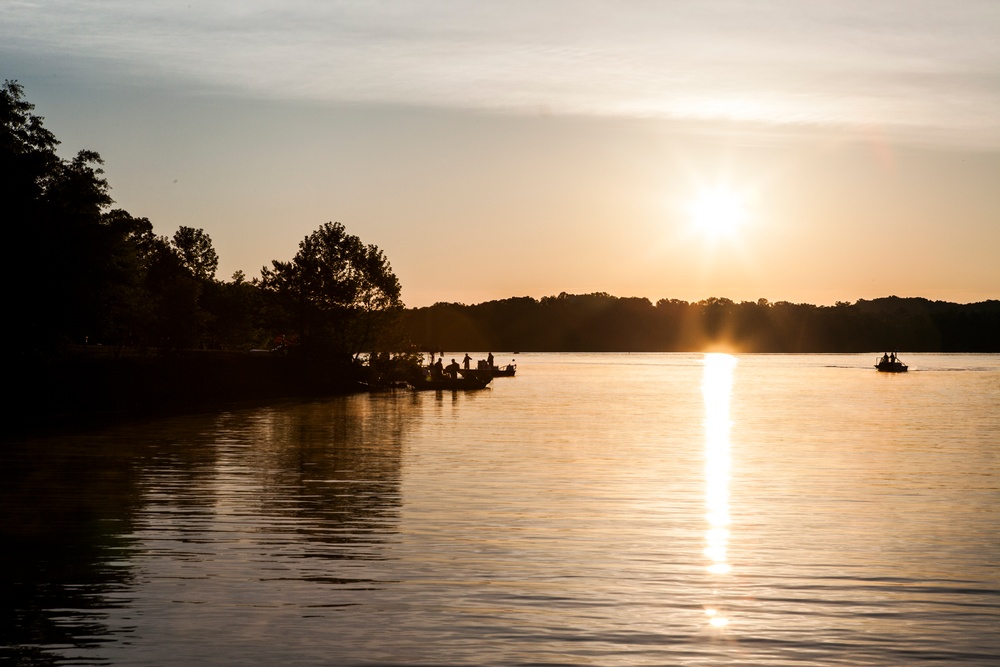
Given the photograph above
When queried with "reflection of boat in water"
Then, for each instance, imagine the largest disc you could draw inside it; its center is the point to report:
(448, 383)
(890, 363)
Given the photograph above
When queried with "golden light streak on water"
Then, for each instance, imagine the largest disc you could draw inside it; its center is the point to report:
(716, 387)
(548, 519)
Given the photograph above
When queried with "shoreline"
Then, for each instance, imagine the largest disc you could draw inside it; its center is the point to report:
(90, 387)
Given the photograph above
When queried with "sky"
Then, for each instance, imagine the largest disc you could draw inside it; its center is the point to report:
(810, 152)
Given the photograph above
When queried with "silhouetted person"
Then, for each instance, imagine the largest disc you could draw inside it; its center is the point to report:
(452, 369)
(465, 362)
(437, 370)
(489, 360)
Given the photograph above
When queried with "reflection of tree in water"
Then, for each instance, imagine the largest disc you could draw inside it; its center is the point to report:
(335, 465)
(66, 507)
(70, 509)
(307, 480)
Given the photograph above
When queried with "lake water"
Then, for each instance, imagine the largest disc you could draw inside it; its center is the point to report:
(603, 509)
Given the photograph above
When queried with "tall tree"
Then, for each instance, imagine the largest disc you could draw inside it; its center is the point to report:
(27, 155)
(196, 252)
(27, 162)
(338, 291)
(58, 281)
(232, 313)
(176, 317)
(74, 271)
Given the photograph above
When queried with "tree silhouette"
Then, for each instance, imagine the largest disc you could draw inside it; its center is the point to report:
(338, 292)
(196, 252)
(60, 281)
(600, 322)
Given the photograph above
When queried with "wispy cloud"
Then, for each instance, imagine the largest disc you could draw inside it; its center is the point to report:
(922, 68)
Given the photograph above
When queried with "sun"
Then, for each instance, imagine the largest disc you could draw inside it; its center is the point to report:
(718, 212)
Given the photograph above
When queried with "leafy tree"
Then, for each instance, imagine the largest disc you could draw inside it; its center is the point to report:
(27, 153)
(27, 163)
(54, 209)
(176, 317)
(126, 301)
(233, 309)
(337, 291)
(79, 282)
(196, 252)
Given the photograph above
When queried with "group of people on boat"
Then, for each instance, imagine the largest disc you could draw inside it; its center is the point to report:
(438, 370)
(888, 358)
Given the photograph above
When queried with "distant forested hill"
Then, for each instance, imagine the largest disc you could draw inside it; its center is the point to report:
(604, 323)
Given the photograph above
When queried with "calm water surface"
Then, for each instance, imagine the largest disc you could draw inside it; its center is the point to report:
(644, 509)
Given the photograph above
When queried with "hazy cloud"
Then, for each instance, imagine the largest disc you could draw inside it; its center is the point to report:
(923, 68)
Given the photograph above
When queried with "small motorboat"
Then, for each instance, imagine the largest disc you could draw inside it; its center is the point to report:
(485, 367)
(890, 363)
(504, 371)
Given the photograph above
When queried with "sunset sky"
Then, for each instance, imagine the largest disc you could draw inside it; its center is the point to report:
(799, 151)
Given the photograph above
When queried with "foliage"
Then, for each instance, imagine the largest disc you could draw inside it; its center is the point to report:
(81, 272)
(197, 255)
(58, 282)
(234, 314)
(338, 293)
(89, 289)
(385, 369)
(601, 322)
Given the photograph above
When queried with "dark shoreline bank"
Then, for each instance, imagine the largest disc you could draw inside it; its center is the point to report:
(93, 386)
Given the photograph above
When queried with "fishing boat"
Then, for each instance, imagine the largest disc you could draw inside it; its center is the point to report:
(504, 371)
(890, 363)
(481, 373)
(495, 371)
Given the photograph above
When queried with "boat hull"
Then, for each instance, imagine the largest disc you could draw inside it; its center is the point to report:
(495, 372)
(891, 367)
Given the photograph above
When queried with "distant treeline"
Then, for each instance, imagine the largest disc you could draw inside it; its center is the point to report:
(604, 323)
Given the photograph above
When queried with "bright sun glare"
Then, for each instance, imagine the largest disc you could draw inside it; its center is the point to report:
(718, 212)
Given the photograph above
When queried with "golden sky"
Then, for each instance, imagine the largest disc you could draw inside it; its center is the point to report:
(807, 152)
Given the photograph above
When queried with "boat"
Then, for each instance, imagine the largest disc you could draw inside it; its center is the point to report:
(494, 371)
(478, 373)
(448, 383)
(890, 364)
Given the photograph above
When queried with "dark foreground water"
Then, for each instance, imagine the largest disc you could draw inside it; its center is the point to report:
(597, 509)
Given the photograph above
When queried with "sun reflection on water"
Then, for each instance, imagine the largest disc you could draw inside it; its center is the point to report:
(717, 383)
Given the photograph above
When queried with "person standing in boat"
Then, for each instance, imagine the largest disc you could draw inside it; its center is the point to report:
(466, 361)
(437, 370)
(489, 360)
(452, 369)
